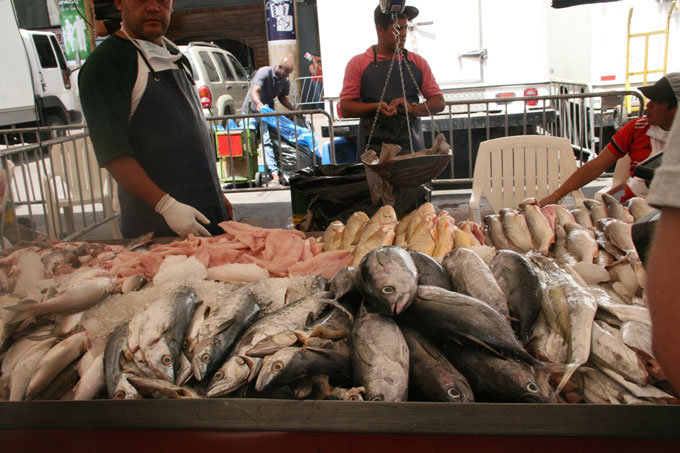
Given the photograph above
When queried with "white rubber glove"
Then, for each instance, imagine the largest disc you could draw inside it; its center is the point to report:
(181, 217)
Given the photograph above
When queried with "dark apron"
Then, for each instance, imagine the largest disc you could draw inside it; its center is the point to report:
(392, 129)
(172, 144)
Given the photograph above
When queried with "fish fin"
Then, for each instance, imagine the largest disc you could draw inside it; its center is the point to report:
(482, 344)
(254, 366)
(23, 306)
(569, 370)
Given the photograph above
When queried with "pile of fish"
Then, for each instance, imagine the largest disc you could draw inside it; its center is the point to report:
(424, 230)
(400, 325)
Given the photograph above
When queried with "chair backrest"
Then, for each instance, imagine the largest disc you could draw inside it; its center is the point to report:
(75, 164)
(510, 169)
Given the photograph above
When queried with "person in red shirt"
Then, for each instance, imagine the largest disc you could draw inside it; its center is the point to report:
(366, 87)
(639, 138)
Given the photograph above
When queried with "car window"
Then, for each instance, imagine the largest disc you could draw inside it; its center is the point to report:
(209, 66)
(45, 53)
(224, 67)
(240, 72)
(60, 54)
(191, 63)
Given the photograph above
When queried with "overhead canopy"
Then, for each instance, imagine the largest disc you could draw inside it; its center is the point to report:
(568, 3)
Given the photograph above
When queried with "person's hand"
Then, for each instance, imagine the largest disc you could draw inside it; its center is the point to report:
(182, 218)
(387, 109)
(553, 198)
(230, 208)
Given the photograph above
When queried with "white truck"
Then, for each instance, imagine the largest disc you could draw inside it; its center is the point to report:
(500, 49)
(36, 85)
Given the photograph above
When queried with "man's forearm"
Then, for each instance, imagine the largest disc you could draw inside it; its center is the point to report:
(435, 104)
(351, 108)
(131, 176)
(286, 103)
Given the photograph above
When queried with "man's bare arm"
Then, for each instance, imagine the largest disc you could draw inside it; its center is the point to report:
(132, 177)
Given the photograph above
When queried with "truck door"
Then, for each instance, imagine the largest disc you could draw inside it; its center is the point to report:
(449, 36)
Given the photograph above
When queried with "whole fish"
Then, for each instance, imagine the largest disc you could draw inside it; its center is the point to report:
(218, 331)
(15, 353)
(117, 385)
(424, 236)
(379, 231)
(380, 357)
(546, 344)
(162, 335)
(389, 279)
(619, 233)
(639, 207)
(554, 301)
(516, 230)
(560, 249)
(538, 225)
(470, 275)
(332, 237)
(606, 244)
(448, 314)
(597, 210)
(353, 228)
(494, 226)
(563, 215)
(346, 282)
(598, 388)
(92, 381)
(582, 217)
(83, 295)
(520, 284)
(496, 379)
(401, 238)
(432, 374)
(23, 370)
(615, 210)
(622, 312)
(239, 367)
(445, 235)
(638, 337)
(160, 389)
(581, 243)
(610, 351)
(55, 361)
(291, 363)
(430, 272)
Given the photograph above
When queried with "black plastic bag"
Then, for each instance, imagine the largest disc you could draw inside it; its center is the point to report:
(288, 156)
(335, 192)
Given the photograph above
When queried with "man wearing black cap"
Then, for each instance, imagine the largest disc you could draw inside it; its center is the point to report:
(366, 78)
(639, 139)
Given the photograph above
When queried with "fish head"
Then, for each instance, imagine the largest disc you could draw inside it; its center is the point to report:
(124, 390)
(229, 377)
(161, 360)
(389, 279)
(273, 368)
(532, 394)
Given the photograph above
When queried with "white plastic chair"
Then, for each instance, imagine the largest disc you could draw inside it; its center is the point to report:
(619, 178)
(510, 169)
(76, 180)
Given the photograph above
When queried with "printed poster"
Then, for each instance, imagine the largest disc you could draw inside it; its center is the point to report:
(280, 20)
(75, 29)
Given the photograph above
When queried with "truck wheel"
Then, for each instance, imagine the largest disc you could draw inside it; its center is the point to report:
(52, 120)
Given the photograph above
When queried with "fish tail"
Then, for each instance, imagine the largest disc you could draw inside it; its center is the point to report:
(569, 370)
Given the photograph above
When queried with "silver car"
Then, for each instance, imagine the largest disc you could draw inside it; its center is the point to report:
(221, 81)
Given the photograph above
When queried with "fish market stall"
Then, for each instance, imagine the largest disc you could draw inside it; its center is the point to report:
(530, 332)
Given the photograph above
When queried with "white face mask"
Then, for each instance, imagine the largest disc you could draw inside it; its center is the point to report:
(153, 52)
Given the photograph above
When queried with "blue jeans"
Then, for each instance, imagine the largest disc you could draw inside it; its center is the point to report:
(271, 165)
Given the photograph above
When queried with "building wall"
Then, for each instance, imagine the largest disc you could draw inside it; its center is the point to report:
(244, 23)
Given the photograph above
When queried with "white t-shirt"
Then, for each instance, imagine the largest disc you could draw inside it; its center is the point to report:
(665, 187)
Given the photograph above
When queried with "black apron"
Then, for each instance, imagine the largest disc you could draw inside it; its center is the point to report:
(171, 141)
(392, 129)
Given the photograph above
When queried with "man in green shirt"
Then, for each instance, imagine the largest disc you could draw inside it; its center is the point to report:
(148, 129)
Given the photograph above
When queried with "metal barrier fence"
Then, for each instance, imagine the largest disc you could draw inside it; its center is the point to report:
(587, 119)
(53, 186)
(310, 91)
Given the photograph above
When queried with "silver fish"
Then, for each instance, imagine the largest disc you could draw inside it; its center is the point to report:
(380, 357)
(448, 314)
(470, 275)
(564, 216)
(619, 233)
(493, 378)
(240, 368)
(432, 373)
(610, 351)
(160, 389)
(581, 243)
(430, 272)
(615, 210)
(219, 330)
(582, 217)
(23, 370)
(494, 227)
(92, 381)
(560, 249)
(597, 210)
(539, 226)
(639, 207)
(389, 279)
(522, 288)
(117, 385)
(516, 230)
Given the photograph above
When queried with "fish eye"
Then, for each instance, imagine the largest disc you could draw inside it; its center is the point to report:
(453, 393)
(387, 290)
(277, 366)
(166, 360)
(205, 358)
(119, 395)
(219, 376)
(377, 398)
(532, 387)
(354, 398)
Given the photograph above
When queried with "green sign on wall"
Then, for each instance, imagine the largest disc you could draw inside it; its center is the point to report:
(75, 29)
